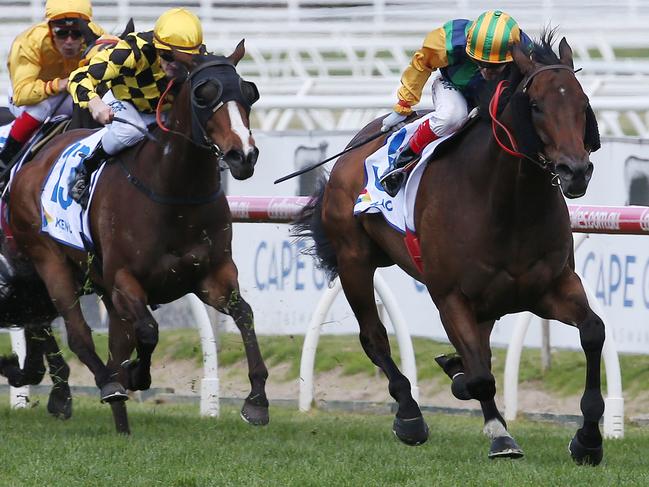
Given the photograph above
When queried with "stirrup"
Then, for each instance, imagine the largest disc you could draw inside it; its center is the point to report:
(392, 181)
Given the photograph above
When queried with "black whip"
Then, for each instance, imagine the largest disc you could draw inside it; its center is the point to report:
(348, 149)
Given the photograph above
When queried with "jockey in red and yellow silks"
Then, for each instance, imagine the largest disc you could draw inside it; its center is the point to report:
(40, 60)
(465, 53)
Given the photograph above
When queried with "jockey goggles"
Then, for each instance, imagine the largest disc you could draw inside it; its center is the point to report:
(64, 33)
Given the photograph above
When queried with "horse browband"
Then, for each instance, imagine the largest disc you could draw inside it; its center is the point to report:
(544, 68)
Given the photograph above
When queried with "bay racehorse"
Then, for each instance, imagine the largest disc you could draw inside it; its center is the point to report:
(161, 228)
(495, 238)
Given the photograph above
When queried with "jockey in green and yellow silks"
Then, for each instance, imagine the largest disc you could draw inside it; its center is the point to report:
(465, 53)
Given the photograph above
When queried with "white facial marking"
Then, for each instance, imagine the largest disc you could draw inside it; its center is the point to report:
(495, 429)
(238, 127)
(562, 90)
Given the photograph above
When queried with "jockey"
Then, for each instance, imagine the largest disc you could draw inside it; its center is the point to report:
(136, 71)
(466, 54)
(40, 61)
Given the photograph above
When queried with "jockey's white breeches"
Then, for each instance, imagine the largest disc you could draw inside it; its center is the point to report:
(450, 108)
(43, 109)
(122, 135)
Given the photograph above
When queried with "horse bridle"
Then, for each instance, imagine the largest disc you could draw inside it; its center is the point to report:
(202, 112)
(541, 159)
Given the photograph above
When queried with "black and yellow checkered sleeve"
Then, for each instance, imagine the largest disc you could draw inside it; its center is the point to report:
(107, 65)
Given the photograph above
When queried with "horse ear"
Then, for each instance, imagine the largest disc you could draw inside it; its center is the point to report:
(591, 136)
(238, 53)
(130, 27)
(522, 60)
(565, 53)
(528, 141)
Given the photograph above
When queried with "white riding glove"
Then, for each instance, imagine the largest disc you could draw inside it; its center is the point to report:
(391, 120)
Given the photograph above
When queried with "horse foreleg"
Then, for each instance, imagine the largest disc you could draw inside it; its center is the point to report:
(60, 401)
(221, 290)
(357, 279)
(567, 303)
(129, 305)
(471, 375)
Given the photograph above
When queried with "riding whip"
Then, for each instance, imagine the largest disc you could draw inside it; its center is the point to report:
(348, 149)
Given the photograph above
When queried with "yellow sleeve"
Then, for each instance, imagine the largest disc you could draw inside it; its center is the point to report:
(104, 66)
(431, 56)
(24, 69)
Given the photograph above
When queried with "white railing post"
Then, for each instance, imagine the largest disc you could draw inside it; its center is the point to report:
(210, 380)
(18, 396)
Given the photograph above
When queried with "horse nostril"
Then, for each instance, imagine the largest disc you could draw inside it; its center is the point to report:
(564, 171)
(234, 156)
(252, 156)
(589, 171)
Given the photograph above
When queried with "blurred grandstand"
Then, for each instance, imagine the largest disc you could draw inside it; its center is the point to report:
(332, 64)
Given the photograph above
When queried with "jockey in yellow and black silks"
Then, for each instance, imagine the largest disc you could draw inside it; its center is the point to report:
(40, 60)
(136, 72)
(465, 53)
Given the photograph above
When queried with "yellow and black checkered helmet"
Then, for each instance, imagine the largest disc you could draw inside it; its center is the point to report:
(178, 29)
(491, 36)
(68, 9)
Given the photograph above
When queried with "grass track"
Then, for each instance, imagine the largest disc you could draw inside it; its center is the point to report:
(172, 446)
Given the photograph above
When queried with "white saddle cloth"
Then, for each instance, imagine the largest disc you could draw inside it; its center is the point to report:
(397, 211)
(62, 217)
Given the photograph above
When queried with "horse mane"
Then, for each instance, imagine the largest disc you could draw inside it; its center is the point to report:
(541, 52)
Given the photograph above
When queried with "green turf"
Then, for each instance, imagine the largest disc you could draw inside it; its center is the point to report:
(344, 354)
(172, 446)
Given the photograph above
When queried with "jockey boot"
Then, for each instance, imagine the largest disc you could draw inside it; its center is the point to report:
(79, 182)
(9, 151)
(393, 178)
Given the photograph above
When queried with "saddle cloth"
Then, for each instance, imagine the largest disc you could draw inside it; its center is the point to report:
(397, 211)
(4, 133)
(62, 217)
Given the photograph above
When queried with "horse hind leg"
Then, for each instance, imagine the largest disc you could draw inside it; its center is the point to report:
(357, 278)
(221, 290)
(59, 404)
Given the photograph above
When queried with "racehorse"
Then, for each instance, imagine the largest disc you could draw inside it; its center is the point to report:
(24, 300)
(495, 238)
(161, 228)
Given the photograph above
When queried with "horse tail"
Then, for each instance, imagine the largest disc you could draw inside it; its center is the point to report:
(308, 224)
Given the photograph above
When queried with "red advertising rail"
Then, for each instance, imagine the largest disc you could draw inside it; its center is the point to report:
(629, 220)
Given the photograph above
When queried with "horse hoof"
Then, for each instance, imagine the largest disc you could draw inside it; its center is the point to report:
(60, 402)
(412, 431)
(113, 392)
(583, 455)
(505, 447)
(256, 415)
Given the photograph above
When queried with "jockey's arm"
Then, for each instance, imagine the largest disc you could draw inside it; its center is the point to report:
(431, 56)
(104, 66)
(24, 70)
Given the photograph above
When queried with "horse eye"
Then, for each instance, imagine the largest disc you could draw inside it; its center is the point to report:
(535, 107)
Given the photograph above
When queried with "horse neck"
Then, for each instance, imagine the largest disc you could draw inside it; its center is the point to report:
(517, 185)
(180, 167)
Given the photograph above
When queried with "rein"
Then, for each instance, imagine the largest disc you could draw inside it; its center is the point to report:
(167, 200)
(215, 149)
(541, 160)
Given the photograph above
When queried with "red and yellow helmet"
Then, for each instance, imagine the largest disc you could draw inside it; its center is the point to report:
(178, 29)
(490, 37)
(68, 9)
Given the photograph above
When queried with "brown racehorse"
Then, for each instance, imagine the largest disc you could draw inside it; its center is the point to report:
(495, 239)
(161, 226)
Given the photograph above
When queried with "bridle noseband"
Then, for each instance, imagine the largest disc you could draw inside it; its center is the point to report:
(229, 87)
(541, 160)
